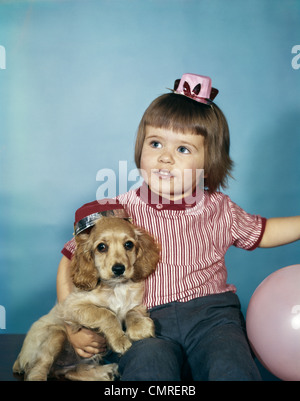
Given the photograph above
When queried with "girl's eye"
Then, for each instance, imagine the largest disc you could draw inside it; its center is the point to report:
(183, 149)
(128, 245)
(155, 144)
(102, 247)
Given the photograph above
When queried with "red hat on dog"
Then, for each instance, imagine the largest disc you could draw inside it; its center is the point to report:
(88, 214)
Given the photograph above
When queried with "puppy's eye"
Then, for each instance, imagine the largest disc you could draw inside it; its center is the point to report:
(102, 247)
(128, 245)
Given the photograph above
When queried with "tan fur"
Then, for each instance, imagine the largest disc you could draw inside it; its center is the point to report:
(101, 301)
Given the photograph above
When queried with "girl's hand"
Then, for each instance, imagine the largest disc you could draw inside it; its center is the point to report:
(86, 342)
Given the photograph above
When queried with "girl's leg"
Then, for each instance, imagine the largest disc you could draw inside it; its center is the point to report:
(159, 358)
(216, 344)
(223, 355)
(152, 359)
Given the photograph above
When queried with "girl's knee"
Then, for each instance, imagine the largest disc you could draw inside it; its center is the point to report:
(151, 359)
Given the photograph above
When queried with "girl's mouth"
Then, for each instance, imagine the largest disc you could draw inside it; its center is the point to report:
(163, 174)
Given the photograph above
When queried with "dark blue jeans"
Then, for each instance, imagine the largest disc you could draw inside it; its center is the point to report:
(203, 339)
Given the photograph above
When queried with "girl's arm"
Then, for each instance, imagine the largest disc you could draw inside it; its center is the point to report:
(85, 342)
(281, 231)
(64, 283)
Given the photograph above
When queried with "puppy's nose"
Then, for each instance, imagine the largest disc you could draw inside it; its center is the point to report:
(118, 269)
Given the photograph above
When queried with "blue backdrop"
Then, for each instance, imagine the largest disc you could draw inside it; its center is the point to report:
(75, 79)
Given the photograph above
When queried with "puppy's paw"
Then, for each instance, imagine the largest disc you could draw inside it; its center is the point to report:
(17, 367)
(141, 328)
(112, 372)
(35, 376)
(121, 344)
(85, 372)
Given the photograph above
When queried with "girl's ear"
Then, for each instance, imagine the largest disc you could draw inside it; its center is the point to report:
(147, 256)
(83, 272)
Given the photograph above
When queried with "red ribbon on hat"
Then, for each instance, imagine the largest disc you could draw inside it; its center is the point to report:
(187, 90)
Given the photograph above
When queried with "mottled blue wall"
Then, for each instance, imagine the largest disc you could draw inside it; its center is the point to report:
(75, 78)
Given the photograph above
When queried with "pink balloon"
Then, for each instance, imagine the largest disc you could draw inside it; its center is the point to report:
(273, 323)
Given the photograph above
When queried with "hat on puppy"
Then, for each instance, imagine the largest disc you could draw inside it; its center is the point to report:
(87, 215)
(196, 87)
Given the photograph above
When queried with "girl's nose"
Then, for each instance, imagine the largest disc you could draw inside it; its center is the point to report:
(166, 157)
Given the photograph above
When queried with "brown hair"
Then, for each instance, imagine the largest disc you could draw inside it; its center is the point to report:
(184, 115)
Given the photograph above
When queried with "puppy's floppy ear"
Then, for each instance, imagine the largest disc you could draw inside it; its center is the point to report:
(83, 272)
(147, 256)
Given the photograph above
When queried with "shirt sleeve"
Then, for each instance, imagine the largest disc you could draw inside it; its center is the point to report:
(247, 229)
(69, 248)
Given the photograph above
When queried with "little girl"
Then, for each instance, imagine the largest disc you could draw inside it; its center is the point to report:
(200, 331)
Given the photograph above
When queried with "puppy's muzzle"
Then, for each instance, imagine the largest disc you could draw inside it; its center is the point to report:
(118, 269)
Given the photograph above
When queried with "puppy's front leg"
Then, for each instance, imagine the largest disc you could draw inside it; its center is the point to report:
(103, 321)
(138, 324)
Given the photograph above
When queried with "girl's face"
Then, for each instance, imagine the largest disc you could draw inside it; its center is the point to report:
(171, 162)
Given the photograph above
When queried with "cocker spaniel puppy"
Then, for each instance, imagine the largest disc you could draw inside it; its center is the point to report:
(108, 269)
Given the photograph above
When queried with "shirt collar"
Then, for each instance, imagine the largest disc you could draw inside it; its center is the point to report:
(158, 202)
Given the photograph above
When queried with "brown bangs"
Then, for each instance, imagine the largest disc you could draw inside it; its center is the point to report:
(178, 113)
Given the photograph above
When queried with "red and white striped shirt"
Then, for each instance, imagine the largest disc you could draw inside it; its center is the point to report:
(194, 238)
